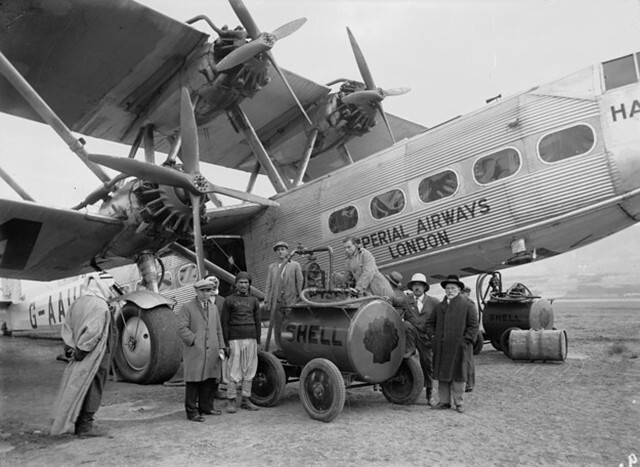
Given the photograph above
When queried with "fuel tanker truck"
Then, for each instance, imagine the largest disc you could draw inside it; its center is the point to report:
(331, 341)
(514, 309)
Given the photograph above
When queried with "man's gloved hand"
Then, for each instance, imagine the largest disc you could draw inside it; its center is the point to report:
(68, 351)
(78, 355)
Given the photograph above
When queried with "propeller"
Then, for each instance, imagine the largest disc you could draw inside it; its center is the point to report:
(261, 43)
(191, 180)
(373, 95)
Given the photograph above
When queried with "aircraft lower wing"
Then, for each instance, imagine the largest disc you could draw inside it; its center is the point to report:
(226, 220)
(45, 243)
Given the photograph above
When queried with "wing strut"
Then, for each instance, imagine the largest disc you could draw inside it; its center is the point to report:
(311, 141)
(13, 184)
(242, 123)
(48, 115)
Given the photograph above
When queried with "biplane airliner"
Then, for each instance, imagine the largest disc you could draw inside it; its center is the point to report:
(527, 177)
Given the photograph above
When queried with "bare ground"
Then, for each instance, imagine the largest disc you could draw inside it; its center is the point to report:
(584, 411)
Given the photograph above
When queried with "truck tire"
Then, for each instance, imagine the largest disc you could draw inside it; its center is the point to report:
(322, 390)
(405, 386)
(148, 348)
(269, 381)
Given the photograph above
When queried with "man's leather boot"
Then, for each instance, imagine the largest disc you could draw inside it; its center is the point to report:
(429, 396)
(247, 404)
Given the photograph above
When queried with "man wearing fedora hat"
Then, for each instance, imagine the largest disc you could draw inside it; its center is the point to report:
(453, 327)
(201, 333)
(420, 307)
(284, 284)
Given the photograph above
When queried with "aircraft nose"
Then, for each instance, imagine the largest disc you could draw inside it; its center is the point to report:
(620, 110)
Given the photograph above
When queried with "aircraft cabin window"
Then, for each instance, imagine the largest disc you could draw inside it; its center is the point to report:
(387, 204)
(493, 167)
(343, 219)
(570, 142)
(188, 274)
(438, 186)
(619, 72)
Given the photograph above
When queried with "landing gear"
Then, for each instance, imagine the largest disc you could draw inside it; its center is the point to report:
(322, 389)
(149, 350)
(406, 385)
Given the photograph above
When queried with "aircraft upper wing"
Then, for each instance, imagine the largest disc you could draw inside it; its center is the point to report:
(45, 243)
(96, 63)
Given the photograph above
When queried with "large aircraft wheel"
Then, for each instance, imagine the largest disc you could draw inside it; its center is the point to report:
(478, 344)
(269, 382)
(322, 390)
(406, 385)
(504, 340)
(149, 349)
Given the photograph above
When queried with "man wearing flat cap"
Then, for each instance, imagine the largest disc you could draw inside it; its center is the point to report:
(420, 307)
(284, 284)
(201, 333)
(453, 327)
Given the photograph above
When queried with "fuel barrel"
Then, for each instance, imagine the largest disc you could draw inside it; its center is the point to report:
(367, 340)
(538, 345)
(503, 313)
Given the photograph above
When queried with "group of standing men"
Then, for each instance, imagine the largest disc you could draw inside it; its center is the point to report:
(224, 334)
(442, 334)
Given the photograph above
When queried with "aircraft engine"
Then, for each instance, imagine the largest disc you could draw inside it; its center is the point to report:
(157, 215)
(366, 339)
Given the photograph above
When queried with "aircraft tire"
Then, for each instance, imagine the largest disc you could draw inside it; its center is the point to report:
(504, 340)
(269, 381)
(406, 385)
(478, 344)
(149, 350)
(322, 390)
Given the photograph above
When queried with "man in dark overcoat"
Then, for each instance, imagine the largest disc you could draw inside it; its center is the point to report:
(419, 307)
(201, 333)
(453, 327)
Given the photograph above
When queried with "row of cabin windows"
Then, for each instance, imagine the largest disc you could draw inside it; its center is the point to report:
(554, 147)
(621, 71)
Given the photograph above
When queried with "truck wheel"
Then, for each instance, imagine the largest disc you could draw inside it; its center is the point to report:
(269, 381)
(149, 350)
(504, 340)
(478, 344)
(406, 385)
(322, 390)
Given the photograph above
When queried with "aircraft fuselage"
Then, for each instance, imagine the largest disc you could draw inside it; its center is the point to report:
(529, 177)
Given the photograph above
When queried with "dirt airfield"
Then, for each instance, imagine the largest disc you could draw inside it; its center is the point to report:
(585, 411)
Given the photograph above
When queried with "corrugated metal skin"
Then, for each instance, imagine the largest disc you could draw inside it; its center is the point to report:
(537, 192)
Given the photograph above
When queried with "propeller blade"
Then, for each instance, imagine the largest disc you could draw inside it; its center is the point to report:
(242, 54)
(288, 86)
(189, 155)
(245, 18)
(386, 122)
(396, 91)
(197, 235)
(145, 171)
(362, 63)
(289, 28)
(241, 195)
